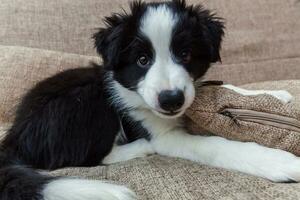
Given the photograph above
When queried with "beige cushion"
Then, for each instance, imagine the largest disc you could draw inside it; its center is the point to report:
(162, 178)
(259, 118)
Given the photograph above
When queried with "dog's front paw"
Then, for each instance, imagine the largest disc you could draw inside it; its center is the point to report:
(280, 166)
(282, 95)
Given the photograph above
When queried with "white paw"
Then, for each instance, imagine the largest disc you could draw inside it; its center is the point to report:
(137, 149)
(284, 169)
(275, 165)
(282, 95)
(70, 189)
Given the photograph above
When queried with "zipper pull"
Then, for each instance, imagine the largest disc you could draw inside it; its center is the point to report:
(232, 116)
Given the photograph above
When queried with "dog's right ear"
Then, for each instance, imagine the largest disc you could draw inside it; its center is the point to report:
(107, 40)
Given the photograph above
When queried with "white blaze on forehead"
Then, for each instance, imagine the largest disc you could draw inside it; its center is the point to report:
(158, 24)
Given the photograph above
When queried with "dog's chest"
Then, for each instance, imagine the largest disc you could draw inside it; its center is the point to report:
(131, 130)
(144, 124)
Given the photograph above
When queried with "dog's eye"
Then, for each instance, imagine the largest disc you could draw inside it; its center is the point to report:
(143, 61)
(186, 56)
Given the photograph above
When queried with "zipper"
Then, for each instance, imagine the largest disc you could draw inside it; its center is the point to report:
(275, 120)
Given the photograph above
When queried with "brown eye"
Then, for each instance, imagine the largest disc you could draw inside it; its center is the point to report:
(143, 61)
(186, 56)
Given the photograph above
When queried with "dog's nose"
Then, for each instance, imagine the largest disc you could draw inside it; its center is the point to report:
(171, 100)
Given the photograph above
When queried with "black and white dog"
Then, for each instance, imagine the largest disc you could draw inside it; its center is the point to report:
(127, 108)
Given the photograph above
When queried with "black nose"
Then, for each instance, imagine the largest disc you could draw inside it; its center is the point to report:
(171, 100)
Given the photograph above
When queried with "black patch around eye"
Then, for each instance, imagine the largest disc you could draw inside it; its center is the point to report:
(190, 52)
(190, 49)
(128, 72)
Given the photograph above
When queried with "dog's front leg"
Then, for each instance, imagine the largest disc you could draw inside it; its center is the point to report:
(251, 158)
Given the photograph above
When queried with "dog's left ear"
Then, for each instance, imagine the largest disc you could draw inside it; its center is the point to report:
(210, 27)
(213, 32)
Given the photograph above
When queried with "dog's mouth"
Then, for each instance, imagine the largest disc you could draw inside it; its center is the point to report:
(168, 115)
(172, 113)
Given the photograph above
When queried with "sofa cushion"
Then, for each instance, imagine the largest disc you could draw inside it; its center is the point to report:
(163, 178)
(257, 118)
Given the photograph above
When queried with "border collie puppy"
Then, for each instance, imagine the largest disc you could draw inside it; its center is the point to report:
(127, 108)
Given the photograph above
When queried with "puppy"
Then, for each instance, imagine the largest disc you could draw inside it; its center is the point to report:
(129, 107)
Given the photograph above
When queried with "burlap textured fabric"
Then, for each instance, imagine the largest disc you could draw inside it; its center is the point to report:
(207, 114)
(163, 178)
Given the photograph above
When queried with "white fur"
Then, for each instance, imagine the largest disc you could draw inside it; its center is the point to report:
(77, 189)
(164, 74)
(138, 148)
(282, 95)
(251, 158)
(121, 95)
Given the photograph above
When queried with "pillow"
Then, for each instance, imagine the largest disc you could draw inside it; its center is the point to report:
(262, 119)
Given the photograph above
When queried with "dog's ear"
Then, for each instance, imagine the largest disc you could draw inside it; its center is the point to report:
(213, 32)
(210, 27)
(107, 40)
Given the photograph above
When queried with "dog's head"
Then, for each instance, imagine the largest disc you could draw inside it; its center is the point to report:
(156, 52)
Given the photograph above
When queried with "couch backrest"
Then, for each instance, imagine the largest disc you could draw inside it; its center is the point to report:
(256, 29)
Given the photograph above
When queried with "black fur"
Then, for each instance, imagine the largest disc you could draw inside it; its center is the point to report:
(21, 183)
(71, 119)
(133, 130)
(200, 31)
(61, 123)
(18, 182)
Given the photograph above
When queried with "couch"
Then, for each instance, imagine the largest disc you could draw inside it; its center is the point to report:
(39, 38)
